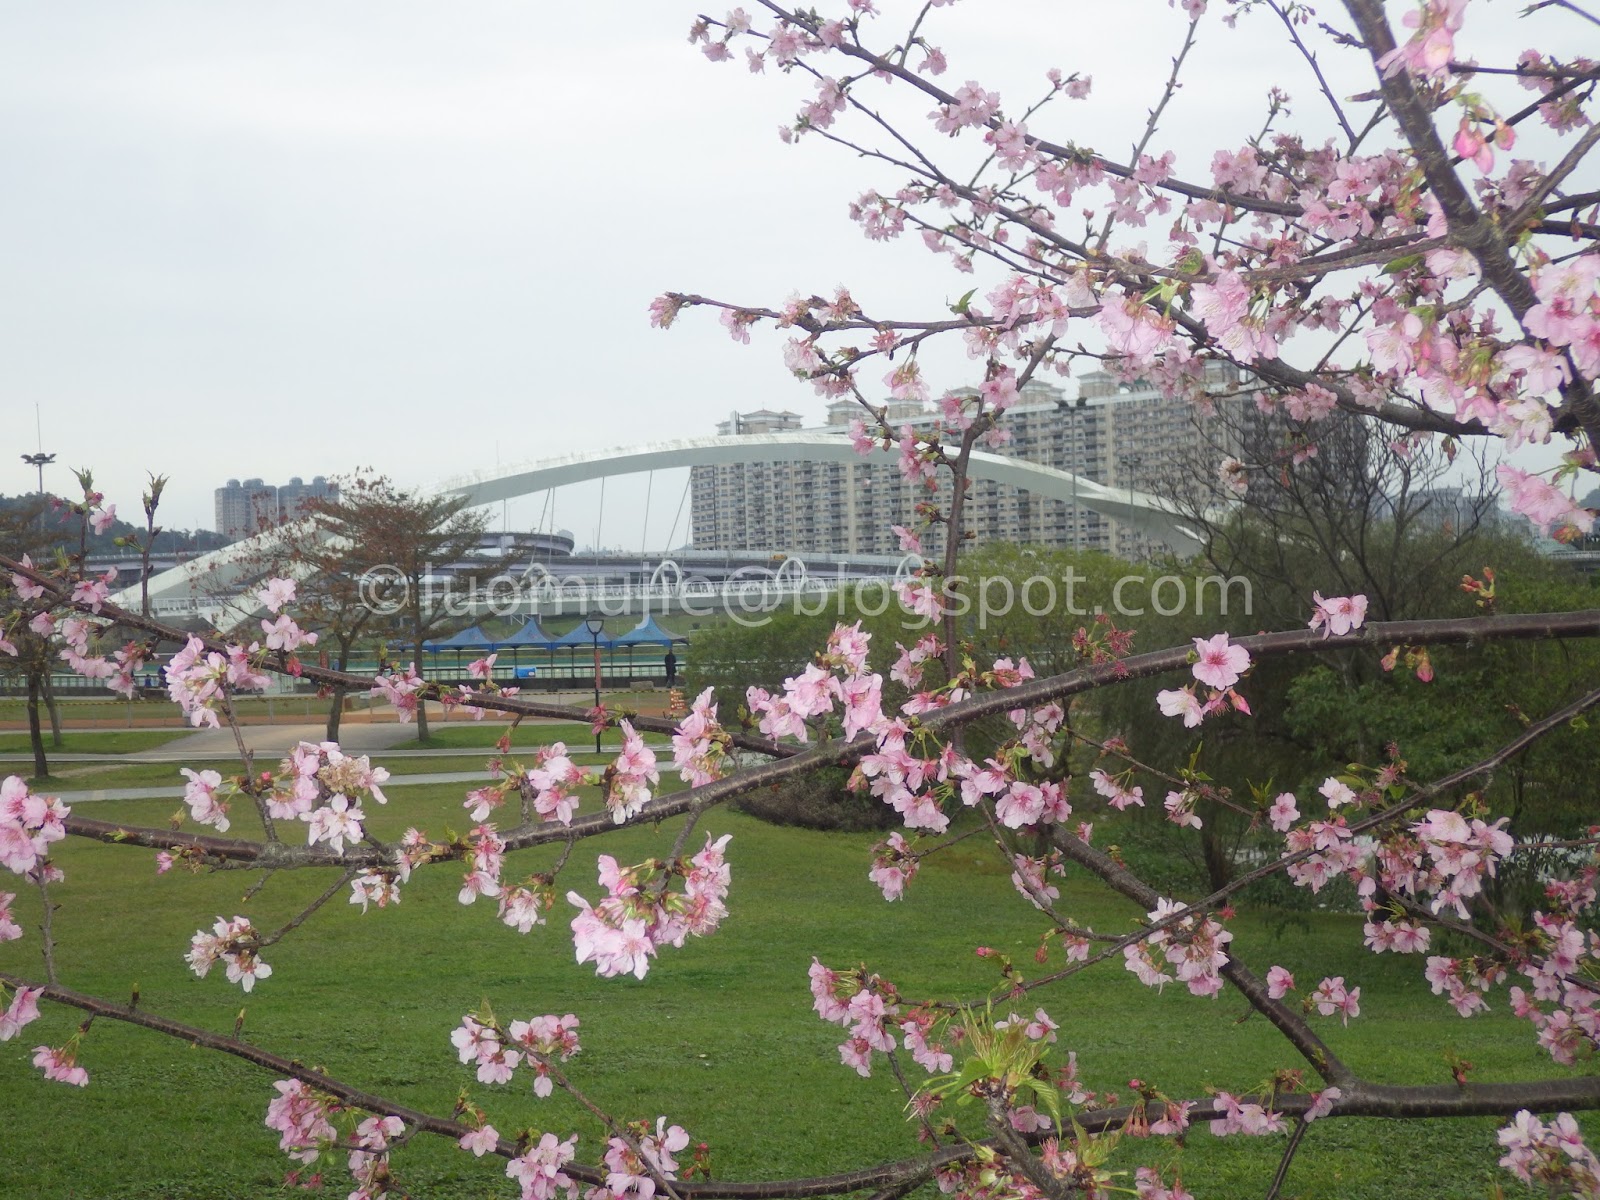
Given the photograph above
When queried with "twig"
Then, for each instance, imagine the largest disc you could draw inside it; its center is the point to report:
(47, 939)
(1288, 1157)
(333, 890)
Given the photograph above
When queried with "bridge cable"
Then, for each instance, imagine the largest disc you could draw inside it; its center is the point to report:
(644, 534)
(681, 499)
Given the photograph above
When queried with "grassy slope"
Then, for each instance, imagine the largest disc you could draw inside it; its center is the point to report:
(720, 1036)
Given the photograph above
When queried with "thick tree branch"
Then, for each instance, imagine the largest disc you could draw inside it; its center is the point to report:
(1365, 1100)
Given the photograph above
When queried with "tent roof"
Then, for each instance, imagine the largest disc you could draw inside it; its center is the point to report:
(647, 632)
(578, 635)
(468, 639)
(532, 634)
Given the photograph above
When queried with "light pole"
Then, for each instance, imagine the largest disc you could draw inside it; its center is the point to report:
(595, 626)
(1075, 440)
(41, 461)
(1129, 462)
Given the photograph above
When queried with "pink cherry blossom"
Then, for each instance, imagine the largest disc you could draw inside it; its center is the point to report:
(1279, 983)
(60, 1065)
(276, 593)
(10, 931)
(1338, 615)
(201, 795)
(1181, 703)
(1221, 663)
(481, 1141)
(23, 1010)
(1284, 812)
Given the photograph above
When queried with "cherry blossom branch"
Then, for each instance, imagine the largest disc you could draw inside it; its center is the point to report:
(1569, 163)
(515, 705)
(334, 889)
(1282, 1172)
(617, 1130)
(1291, 1024)
(47, 941)
(1469, 227)
(1217, 898)
(795, 763)
(1021, 1157)
(1365, 1100)
(1167, 92)
(885, 66)
(252, 784)
(1316, 69)
(1566, 4)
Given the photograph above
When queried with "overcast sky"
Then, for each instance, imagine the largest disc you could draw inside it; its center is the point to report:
(297, 238)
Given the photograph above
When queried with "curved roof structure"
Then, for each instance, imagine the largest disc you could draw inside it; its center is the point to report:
(1149, 514)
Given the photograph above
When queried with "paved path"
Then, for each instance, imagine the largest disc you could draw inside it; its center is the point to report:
(277, 740)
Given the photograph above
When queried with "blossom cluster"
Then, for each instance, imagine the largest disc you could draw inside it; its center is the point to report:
(198, 679)
(234, 943)
(699, 746)
(1193, 947)
(29, 825)
(868, 1008)
(322, 785)
(497, 1052)
(640, 914)
(1219, 667)
(633, 1176)
(840, 676)
(1554, 1157)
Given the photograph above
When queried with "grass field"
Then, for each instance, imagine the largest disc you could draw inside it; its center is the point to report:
(93, 741)
(720, 1037)
(97, 776)
(302, 707)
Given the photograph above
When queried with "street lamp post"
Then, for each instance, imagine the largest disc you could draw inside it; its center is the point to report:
(595, 626)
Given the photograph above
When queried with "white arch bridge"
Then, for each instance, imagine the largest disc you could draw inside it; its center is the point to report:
(202, 585)
(1150, 515)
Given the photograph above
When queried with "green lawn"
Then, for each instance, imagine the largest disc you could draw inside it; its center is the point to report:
(94, 741)
(720, 1037)
(79, 776)
(100, 776)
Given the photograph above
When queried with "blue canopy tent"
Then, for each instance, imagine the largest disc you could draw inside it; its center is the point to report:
(648, 633)
(468, 639)
(575, 637)
(530, 637)
(473, 639)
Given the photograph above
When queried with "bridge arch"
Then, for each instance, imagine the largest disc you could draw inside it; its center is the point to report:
(1152, 516)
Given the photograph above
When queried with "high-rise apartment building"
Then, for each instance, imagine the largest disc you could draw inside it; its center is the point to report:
(249, 507)
(1112, 433)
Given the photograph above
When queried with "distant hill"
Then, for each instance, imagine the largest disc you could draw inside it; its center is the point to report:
(59, 526)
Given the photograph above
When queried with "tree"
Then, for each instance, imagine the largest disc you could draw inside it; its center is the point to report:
(45, 530)
(1462, 304)
(376, 551)
(334, 598)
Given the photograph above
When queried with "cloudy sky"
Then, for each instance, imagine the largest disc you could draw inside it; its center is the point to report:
(298, 238)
